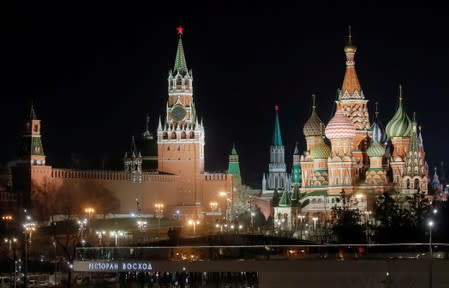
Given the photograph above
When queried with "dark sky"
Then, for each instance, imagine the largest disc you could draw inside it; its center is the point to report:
(95, 70)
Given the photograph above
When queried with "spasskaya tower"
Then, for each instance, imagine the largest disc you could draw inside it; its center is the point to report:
(180, 138)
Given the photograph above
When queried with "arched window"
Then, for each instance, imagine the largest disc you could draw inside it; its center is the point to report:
(408, 184)
(192, 135)
(417, 184)
(165, 136)
(173, 135)
(183, 135)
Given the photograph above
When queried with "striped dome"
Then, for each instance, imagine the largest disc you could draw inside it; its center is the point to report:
(399, 125)
(340, 127)
(375, 150)
(313, 125)
(378, 132)
(320, 151)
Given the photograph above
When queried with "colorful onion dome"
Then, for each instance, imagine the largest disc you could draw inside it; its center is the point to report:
(375, 150)
(314, 125)
(320, 151)
(378, 130)
(340, 127)
(399, 125)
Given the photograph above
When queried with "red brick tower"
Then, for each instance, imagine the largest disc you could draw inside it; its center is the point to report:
(180, 138)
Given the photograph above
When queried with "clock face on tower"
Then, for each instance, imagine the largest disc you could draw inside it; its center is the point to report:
(178, 112)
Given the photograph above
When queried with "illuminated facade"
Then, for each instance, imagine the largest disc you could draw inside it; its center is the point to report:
(179, 182)
(353, 158)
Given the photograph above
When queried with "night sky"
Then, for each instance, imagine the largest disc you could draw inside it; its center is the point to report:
(95, 70)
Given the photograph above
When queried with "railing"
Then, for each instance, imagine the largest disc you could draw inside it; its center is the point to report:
(416, 251)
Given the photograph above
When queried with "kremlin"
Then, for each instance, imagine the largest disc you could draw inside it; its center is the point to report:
(351, 156)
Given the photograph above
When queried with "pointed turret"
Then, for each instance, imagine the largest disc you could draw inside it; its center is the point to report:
(277, 170)
(351, 88)
(296, 168)
(436, 184)
(180, 60)
(148, 145)
(353, 104)
(234, 166)
(277, 137)
(415, 168)
(414, 161)
(132, 163)
(285, 200)
(32, 150)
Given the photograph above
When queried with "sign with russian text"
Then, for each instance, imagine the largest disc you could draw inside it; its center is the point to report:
(112, 266)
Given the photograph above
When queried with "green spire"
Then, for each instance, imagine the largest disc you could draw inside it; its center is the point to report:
(234, 166)
(295, 195)
(180, 60)
(285, 200)
(233, 150)
(32, 112)
(277, 138)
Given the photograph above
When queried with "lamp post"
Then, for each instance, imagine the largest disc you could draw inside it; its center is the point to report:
(29, 227)
(12, 243)
(194, 223)
(430, 224)
(367, 220)
(159, 209)
(116, 234)
(228, 205)
(100, 235)
(315, 219)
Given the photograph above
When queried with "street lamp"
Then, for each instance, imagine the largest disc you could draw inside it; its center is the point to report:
(12, 244)
(159, 209)
(116, 234)
(430, 224)
(315, 219)
(82, 226)
(89, 211)
(228, 205)
(28, 227)
(100, 235)
(367, 224)
(194, 223)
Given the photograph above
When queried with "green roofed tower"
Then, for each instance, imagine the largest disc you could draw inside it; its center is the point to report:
(277, 177)
(31, 150)
(234, 166)
(296, 168)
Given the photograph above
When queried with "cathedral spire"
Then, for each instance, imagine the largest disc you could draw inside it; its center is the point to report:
(180, 60)
(351, 88)
(277, 138)
(32, 112)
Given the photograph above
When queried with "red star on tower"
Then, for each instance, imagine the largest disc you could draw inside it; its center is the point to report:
(180, 30)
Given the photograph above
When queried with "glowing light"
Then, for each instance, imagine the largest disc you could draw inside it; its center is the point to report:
(180, 30)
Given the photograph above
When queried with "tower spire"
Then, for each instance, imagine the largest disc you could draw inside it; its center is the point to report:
(180, 60)
(313, 102)
(277, 138)
(401, 98)
(351, 88)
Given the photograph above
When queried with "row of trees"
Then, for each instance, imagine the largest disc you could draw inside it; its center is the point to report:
(397, 219)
